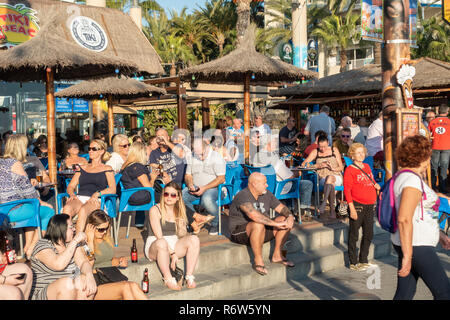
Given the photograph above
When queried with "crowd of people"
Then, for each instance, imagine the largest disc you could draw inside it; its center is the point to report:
(185, 173)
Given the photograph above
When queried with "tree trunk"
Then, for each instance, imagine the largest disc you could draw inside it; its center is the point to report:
(243, 21)
(343, 56)
(377, 53)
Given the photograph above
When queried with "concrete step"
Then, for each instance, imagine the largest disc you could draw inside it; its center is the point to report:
(220, 283)
(228, 255)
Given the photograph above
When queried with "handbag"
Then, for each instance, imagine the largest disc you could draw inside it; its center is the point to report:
(108, 275)
(342, 208)
(178, 274)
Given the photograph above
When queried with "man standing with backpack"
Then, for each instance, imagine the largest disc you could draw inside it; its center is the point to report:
(440, 135)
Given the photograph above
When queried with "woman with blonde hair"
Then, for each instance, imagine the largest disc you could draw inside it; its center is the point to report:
(135, 174)
(120, 152)
(168, 239)
(98, 240)
(360, 191)
(15, 185)
(94, 179)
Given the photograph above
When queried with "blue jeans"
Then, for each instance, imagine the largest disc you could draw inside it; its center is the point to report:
(306, 188)
(208, 200)
(439, 167)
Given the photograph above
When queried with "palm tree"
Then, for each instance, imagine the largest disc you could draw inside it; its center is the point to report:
(193, 33)
(219, 19)
(338, 31)
(433, 40)
(243, 20)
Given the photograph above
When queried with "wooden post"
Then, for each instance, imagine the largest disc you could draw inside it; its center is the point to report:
(181, 108)
(394, 53)
(110, 119)
(205, 114)
(51, 115)
(133, 121)
(247, 117)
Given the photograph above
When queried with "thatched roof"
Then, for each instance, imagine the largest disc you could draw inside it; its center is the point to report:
(117, 88)
(430, 73)
(231, 68)
(125, 40)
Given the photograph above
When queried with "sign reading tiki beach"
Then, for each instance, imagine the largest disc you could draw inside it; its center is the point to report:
(88, 34)
(18, 24)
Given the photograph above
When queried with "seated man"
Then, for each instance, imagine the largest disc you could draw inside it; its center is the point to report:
(344, 141)
(250, 224)
(203, 175)
(269, 156)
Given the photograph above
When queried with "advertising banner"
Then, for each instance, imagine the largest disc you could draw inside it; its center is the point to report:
(18, 24)
(70, 105)
(372, 20)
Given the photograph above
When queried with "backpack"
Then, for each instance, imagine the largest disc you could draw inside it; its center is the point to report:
(385, 209)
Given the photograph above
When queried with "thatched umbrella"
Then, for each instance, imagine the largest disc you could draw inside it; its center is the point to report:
(48, 57)
(241, 65)
(111, 88)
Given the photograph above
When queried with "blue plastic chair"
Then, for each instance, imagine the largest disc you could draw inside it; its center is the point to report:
(444, 215)
(124, 206)
(34, 221)
(270, 174)
(85, 155)
(294, 192)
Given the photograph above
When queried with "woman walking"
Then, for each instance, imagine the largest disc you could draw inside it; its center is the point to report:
(360, 191)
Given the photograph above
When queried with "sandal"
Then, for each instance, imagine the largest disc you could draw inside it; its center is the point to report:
(203, 219)
(258, 269)
(172, 284)
(190, 281)
(285, 262)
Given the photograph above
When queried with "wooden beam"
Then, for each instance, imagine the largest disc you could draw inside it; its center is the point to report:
(205, 114)
(51, 121)
(110, 119)
(163, 80)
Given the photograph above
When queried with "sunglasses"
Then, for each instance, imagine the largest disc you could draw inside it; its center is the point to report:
(173, 195)
(102, 230)
(124, 145)
(94, 149)
(345, 136)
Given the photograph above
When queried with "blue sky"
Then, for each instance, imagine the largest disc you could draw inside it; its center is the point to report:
(179, 4)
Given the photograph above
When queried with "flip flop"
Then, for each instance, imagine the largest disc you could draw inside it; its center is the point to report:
(256, 267)
(285, 262)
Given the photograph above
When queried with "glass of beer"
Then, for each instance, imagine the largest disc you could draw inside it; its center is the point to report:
(39, 175)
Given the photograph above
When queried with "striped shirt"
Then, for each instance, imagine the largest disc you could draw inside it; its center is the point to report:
(43, 275)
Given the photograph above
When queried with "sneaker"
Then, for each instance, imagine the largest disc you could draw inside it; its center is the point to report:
(367, 265)
(357, 267)
(213, 231)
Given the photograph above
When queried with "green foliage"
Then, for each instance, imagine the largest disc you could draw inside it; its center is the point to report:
(433, 40)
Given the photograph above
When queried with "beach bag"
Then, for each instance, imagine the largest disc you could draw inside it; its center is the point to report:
(385, 208)
(108, 275)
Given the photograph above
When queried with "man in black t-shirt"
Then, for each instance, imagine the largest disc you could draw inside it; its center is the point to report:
(288, 136)
(250, 223)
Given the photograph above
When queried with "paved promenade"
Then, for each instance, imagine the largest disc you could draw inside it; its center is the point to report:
(344, 284)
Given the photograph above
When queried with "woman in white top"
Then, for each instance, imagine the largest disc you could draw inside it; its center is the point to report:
(418, 230)
(121, 146)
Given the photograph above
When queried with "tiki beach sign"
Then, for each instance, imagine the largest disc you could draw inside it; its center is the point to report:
(18, 24)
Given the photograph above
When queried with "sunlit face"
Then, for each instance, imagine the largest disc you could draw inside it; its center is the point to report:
(323, 146)
(258, 121)
(95, 151)
(124, 146)
(101, 230)
(73, 149)
(260, 185)
(170, 196)
(359, 154)
(70, 231)
(159, 137)
(153, 144)
(237, 123)
(345, 136)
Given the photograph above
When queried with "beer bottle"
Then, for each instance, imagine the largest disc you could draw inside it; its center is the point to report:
(9, 252)
(161, 170)
(134, 256)
(145, 281)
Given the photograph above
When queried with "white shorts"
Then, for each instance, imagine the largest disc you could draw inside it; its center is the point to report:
(338, 183)
(171, 241)
(83, 199)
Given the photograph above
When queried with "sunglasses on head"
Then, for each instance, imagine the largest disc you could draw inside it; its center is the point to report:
(173, 195)
(101, 230)
(124, 145)
(345, 136)
(94, 149)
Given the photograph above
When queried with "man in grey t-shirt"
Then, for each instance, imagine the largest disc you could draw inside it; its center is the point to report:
(321, 122)
(250, 224)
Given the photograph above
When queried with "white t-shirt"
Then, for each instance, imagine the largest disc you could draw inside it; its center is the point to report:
(426, 230)
(203, 172)
(115, 162)
(374, 141)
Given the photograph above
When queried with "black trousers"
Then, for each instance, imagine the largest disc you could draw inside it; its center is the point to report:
(365, 220)
(426, 265)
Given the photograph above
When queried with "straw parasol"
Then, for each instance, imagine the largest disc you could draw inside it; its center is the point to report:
(241, 65)
(111, 88)
(48, 57)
